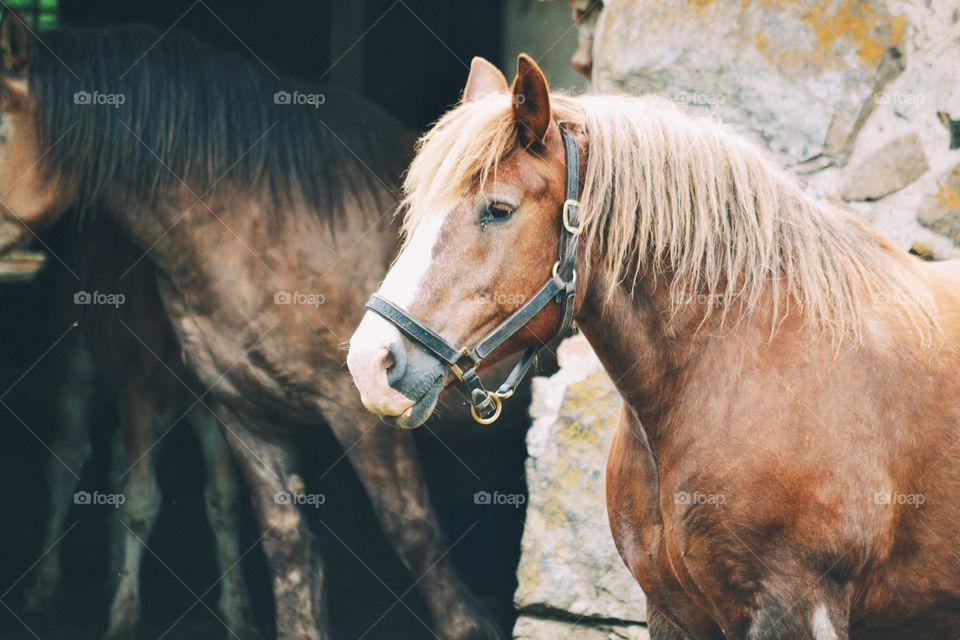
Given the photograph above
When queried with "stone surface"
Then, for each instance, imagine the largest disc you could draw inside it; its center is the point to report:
(798, 76)
(889, 168)
(940, 210)
(569, 565)
(824, 86)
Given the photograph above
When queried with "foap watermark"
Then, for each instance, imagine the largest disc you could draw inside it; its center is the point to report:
(500, 298)
(100, 298)
(898, 99)
(299, 98)
(300, 499)
(915, 500)
(698, 498)
(689, 298)
(299, 297)
(515, 500)
(903, 298)
(98, 98)
(96, 498)
(698, 99)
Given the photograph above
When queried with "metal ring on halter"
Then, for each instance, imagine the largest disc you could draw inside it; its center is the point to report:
(556, 272)
(569, 226)
(496, 412)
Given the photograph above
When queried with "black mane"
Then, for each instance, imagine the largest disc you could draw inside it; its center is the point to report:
(202, 113)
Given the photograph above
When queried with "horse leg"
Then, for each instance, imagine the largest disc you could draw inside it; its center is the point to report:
(298, 589)
(386, 461)
(222, 495)
(71, 451)
(138, 513)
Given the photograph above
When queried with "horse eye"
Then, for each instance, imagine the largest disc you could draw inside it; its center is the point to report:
(498, 211)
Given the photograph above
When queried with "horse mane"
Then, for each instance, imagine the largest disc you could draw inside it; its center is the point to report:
(665, 193)
(193, 115)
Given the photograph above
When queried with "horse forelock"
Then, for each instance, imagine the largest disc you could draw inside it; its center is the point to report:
(194, 116)
(667, 194)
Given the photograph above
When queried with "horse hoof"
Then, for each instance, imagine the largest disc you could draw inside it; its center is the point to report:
(121, 633)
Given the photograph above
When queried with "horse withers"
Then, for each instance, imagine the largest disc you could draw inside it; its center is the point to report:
(786, 464)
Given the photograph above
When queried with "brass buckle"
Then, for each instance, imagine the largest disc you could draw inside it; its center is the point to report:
(496, 412)
(574, 230)
(455, 367)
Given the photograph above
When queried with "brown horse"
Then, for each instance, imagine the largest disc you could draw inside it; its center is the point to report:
(786, 466)
(263, 205)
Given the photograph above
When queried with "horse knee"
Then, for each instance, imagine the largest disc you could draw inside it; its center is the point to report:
(141, 505)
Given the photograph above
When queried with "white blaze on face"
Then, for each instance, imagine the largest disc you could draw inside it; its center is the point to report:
(371, 341)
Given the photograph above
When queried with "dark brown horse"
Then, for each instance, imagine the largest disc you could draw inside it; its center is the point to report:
(786, 466)
(266, 217)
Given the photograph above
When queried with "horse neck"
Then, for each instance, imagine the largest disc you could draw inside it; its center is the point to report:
(648, 346)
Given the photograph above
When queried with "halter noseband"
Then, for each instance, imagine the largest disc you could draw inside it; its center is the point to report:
(486, 405)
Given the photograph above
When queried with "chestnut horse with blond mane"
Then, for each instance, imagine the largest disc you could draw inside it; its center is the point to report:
(786, 464)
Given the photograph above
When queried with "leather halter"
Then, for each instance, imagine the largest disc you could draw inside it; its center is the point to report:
(560, 287)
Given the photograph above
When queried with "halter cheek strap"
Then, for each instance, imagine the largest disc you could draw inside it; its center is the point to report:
(560, 288)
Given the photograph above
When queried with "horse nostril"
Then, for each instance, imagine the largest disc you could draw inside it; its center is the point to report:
(389, 362)
(395, 363)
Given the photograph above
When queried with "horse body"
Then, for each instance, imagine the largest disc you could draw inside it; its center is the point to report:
(266, 223)
(735, 428)
(785, 467)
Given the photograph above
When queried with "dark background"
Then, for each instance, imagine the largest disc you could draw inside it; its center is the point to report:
(409, 57)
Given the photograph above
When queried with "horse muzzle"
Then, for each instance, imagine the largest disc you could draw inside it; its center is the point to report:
(396, 380)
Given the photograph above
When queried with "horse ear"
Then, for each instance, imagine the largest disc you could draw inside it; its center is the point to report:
(14, 43)
(531, 102)
(483, 80)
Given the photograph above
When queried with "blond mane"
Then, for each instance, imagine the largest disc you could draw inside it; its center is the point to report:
(666, 193)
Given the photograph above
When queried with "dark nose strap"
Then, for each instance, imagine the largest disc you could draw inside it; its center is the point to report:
(559, 288)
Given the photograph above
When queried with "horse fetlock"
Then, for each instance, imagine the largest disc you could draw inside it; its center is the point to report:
(467, 624)
(457, 615)
(124, 616)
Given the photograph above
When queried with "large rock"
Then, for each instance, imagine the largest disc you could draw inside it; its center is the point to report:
(800, 78)
(569, 567)
(940, 210)
(889, 168)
